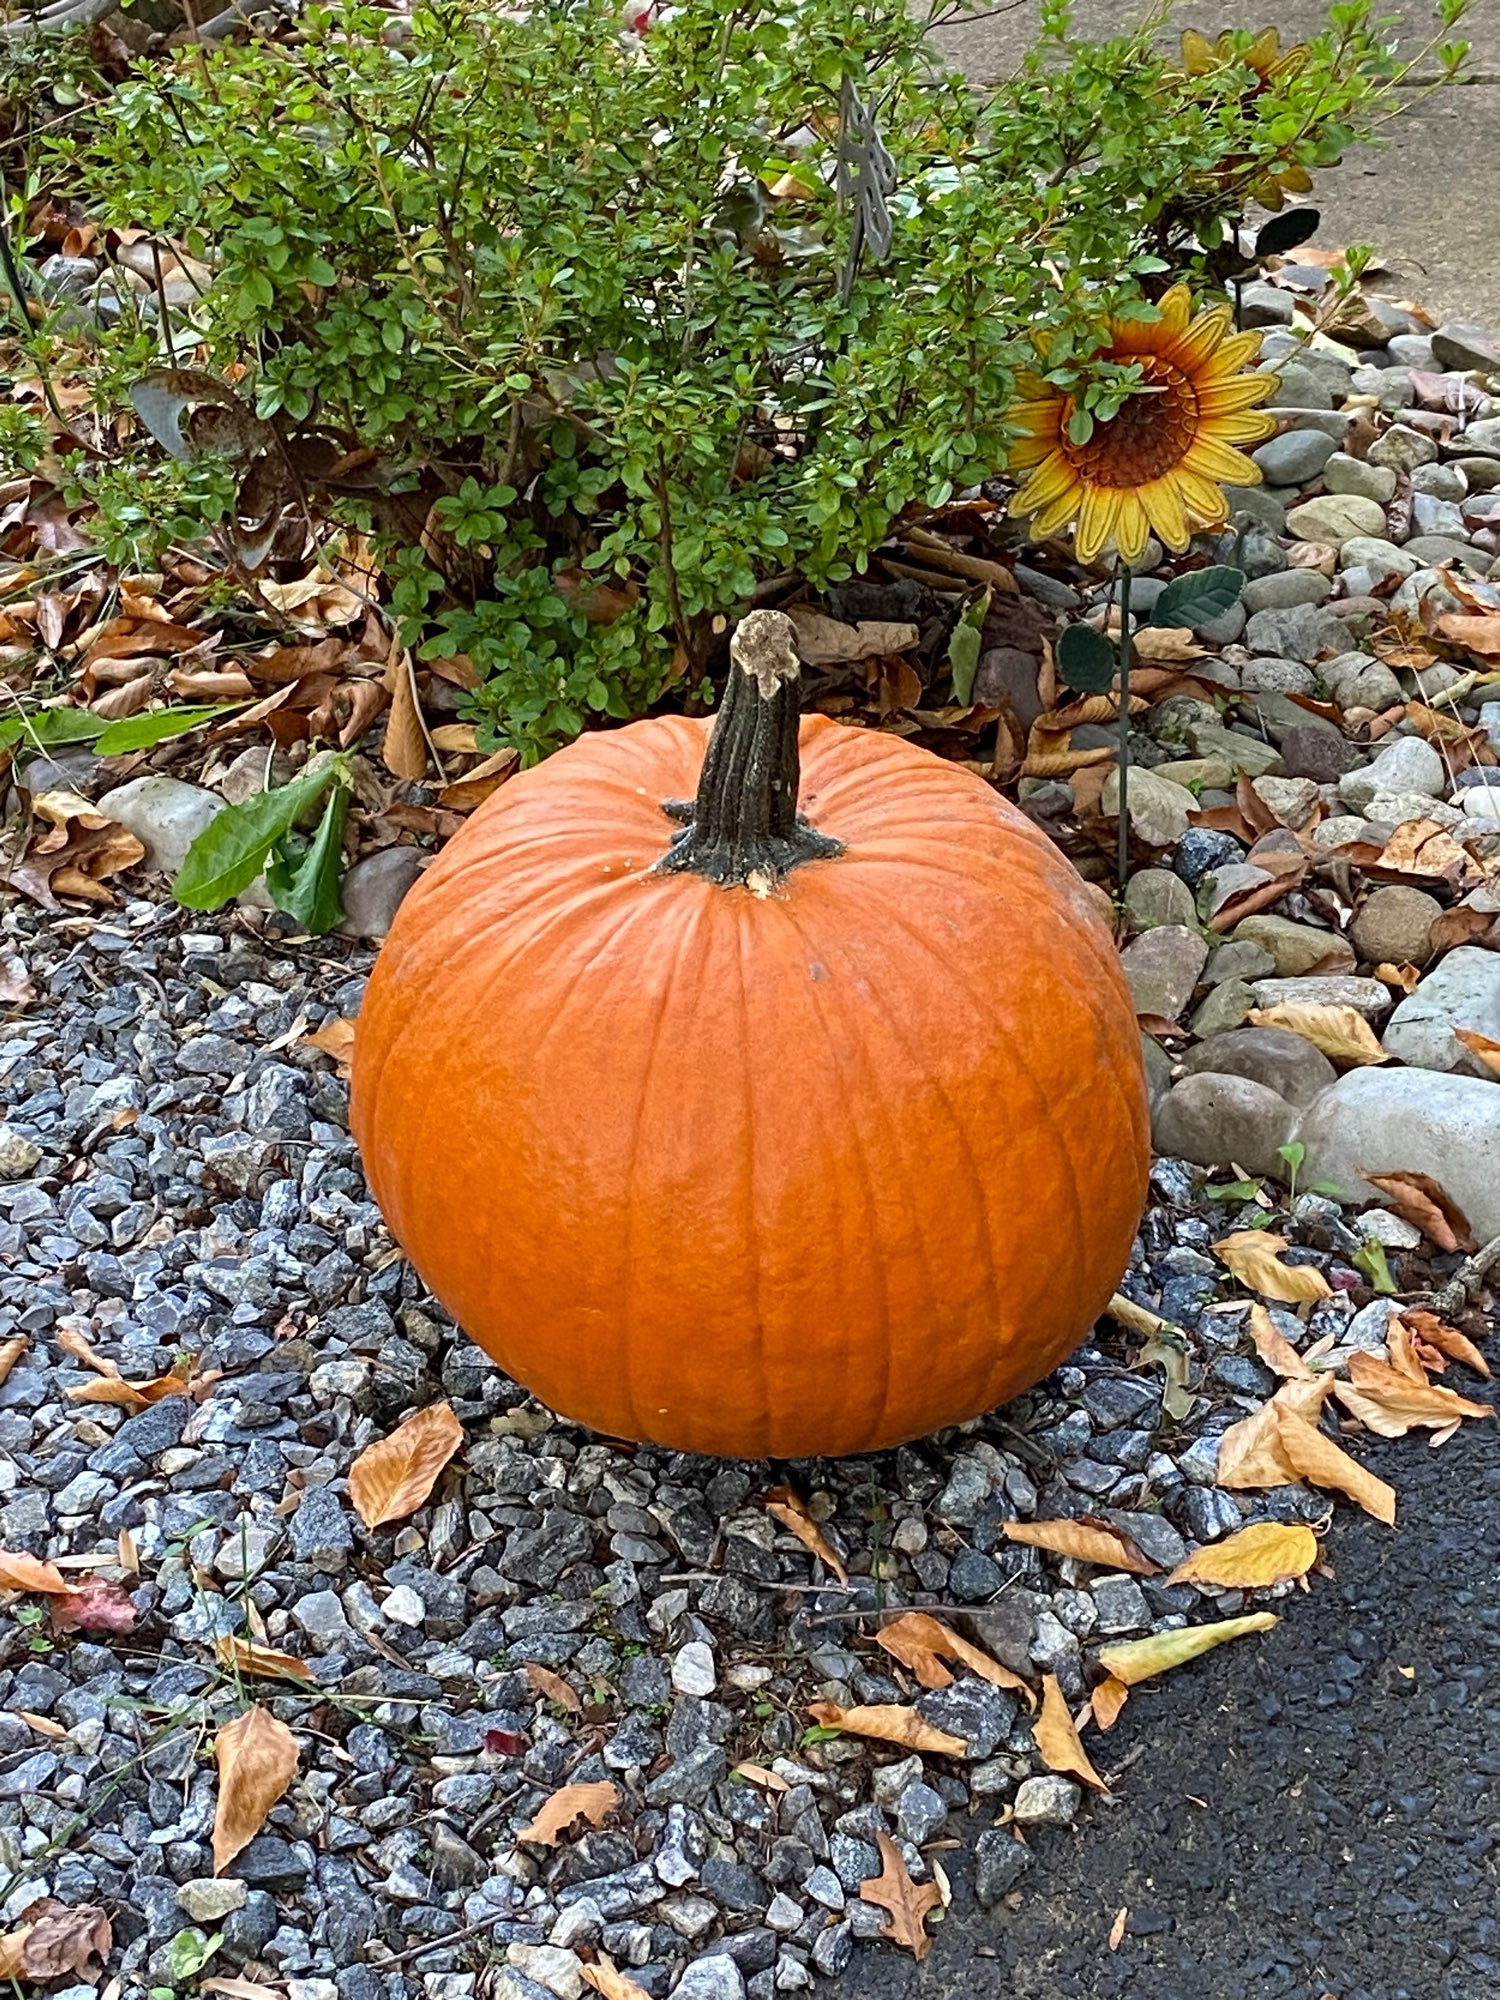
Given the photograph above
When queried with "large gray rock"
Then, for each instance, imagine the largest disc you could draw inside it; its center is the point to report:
(1221, 1120)
(1458, 343)
(1287, 587)
(1158, 808)
(1392, 927)
(1301, 633)
(1359, 680)
(1297, 948)
(1343, 474)
(1406, 764)
(164, 814)
(1285, 1063)
(1156, 896)
(1336, 518)
(1408, 1121)
(1326, 989)
(1463, 991)
(374, 888)
(1162, 966)
(1293, 458)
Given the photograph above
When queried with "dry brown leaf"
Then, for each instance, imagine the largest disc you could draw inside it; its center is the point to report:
(1265, 1553)
(606, 1979)
(394, 1476)
(115, 1390)
(1167, 642)
(1253, 1256)
(257, 1760)
(1422, 847)
(10, 1353)
(1117, 1928)
(757, 1774)
(1057, 1741)
(790, 1510)
(905, 1902)
(1088, 1541)
(318, 598)
(922, 1642)
(1480, 635)
(1251, 1453)
(1342, 1033)
(1135, 1660)
(823, 641)
(336, 1039)
(55, 1941)
(1386, 1399)
(42, 1724)
(889, 1722)
(1426, 1326)
(1273, 1347)
(1403, 979)
(544, 1682)
(12, 1950)
(235, 1988)
(594, 1802)
(1481, 1047)
(1107, 1700)
(471, 790)
(404, 752)
(1421, 1201)
(1317, 1458)
(247, 1656)
(23, 1572)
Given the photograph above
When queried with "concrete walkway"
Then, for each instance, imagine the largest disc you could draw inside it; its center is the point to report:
(1428, 199)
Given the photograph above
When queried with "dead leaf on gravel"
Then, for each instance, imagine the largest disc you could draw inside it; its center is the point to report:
(11, 1352)
(1342, 1033)
(543, 1681)
(1422, 847)
(905, 1902)
(317, 601)
(94, 1607)
(1117, 1928)
(17, 988)
(1135, 1660)
(24, 1572)
(1056, 1738)
(1254, 1257)
(757, 1774)
(1088, 1541)
(1480, 635)
(394, 1476)
(1107, 1700)
(1387, 1401)
(1481, 1047)
(235, 1988)
(257, 1758)
(786, 1506)
(1315, 1457)
(1435, 1332)
(1265, 1553)
(404, 752)
(1403, 979)
(246, 1656)
(1275, 1349)
(889, 1722)
(137, 1396)
(594, 1802)
(1421, 1201)
(605, 1978)
(922, 1642)
(336, 1039)
(471, 790)
(55, 1941)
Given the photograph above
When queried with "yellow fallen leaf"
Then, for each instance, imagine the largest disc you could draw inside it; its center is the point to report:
(1317, 1458)
(1057, 1740)
(593, 1802)
(395, 1476)
(1136, 1660)
(24, 1572)
(1088, 1541)
(1265, 1553)
(1273, 1347)
(1386, 1400)
(788, 1507)
(922, 1642)
(404, 751)
(257, 1759)
(136, 1396)
(605, 1978)
(1107, 1700)
(1253, 1256)
(889, 1722)
(757, 1774)
(335, 1038)
(247, 1656)
(10, 1353)
(1342, 1033)
(905, 1902)
(1487, 1051)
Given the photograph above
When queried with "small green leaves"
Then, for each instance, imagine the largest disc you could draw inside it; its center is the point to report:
(1371, 1259)
(963, 648)
(1085, 660)
(306, 884)
(1201, 595)
(1080, 426)
(45, 728)
(141, 732)
(234, 848)
(1285, 231)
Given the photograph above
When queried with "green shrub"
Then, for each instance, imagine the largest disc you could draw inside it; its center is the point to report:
(615, 382)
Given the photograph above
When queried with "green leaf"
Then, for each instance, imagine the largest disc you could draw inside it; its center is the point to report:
(231, 851)
(1372, 1261)
(140, 732)
(307, 885)
(1085, 660)
(190, 1951)
(1202, 594)
(46, 727)
(964, 646)
(1234, 1191)
(1080, 426)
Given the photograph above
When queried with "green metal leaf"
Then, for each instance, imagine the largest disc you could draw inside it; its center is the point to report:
(1085, 660)
(307, 884)
(1201, 595)
(1285, 231)
(232, 850)
(140, 732)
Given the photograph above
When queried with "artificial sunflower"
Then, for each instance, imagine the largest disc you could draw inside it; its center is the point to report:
(1160, 465)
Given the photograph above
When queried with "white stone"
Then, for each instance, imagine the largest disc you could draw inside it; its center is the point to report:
(403, 1606)
(693, 1670)
(208, 1900)
(18, 1154)
(1482, 802)
(1158, 808)
(1047, 1802)
(1405, 765)
(1394, 1231)
(1396, 808)
(1412, 1121)
(164, 814)
(1461, 991)
(550, 1966)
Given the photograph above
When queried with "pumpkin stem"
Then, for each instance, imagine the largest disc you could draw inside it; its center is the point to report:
(744, 826)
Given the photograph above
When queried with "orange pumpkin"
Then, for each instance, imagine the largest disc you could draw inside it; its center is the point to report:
(776, 1136)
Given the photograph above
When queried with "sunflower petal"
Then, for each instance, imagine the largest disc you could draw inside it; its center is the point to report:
(1221, 463)
(1028, 452)
(1176, 309)
(1201, 497)
(1052, 520)
(1192, 351)
(1052, 480)
(1246, 427)
(1097, 519)
(1162, 501)
(1037, 419)
(1237, 392)
(1131, 528)
(1232, 353)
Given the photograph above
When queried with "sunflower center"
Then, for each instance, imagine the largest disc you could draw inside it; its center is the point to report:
(1152, 433)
